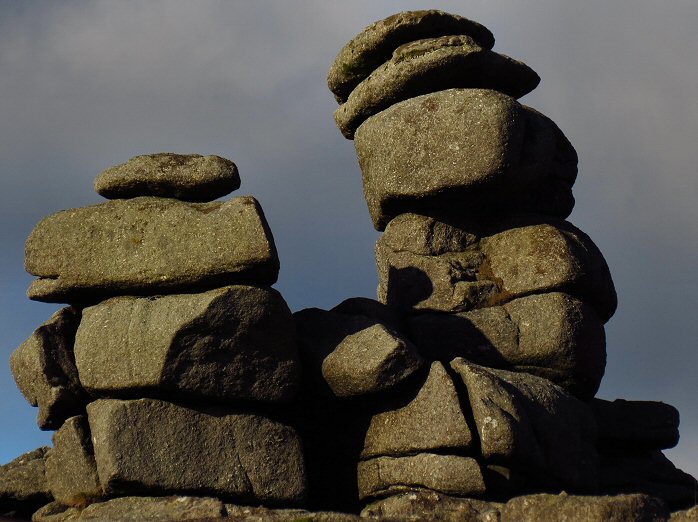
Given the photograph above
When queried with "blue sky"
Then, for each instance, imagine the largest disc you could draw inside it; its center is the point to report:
(86, 85)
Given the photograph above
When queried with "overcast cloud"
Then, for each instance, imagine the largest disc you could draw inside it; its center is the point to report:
(85, 85)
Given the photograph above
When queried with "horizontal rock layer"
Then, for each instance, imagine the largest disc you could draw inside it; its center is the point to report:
(428, 264)
(147, 246)
(464, 152)
(44, 370)
(235, 343)
(431, 65)
(149, 446)
(189, 177)
(376, 43)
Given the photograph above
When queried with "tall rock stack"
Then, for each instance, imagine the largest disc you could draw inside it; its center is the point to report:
(166, 373)
(474, 375)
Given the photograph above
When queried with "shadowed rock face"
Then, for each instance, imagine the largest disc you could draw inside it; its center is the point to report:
(188, 177)
(432, 65)
(23, 486)
(376, 43)
(44, 370)
(425, 264)
(147, 246)
(148, 446)
(235, 343)
(465, 152)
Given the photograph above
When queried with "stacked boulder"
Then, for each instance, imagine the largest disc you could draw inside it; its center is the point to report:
(168, 371)
(474, 374)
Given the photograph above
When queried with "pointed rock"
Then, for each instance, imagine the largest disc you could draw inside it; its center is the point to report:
(433, 420)
(44, 370)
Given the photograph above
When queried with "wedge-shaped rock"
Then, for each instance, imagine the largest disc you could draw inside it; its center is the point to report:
(369, 361)
(553, 508)
(376, 43)
(527, 422)
(44, 370)
(432, 421)
(23, 486)
(232, 343)
(189, 177)
(464, 152)
(149, 446)
(149, 245)
(71, 471)
(431, 65)
(636, 425)
(427, 264)
(553, 336)
(448, 474)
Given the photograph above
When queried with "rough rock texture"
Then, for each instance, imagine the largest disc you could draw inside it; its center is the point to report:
(425, 505)
(376, 43)
(553, 336)
(559, 508)
(432, 421)
(231, 343)
(427, 264)
(636, 425)
(155, 508)
(648, 472)
(56, 512)
(431, 65)
(153, 446)
(471, 151)
(528, 423)
(448, 474)
(189, 177)
(369, 361)
(262, 514)
(71, 471)
(23, 486)
(44, 370)
(149, 245)
(688, 515)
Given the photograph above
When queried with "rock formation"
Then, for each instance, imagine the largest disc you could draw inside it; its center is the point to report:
(181, 387)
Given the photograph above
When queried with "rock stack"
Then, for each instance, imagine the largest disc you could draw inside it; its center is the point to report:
(165, 374)
(475, 373)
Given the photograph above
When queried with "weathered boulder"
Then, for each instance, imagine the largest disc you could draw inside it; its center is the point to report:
(563, 507)
(23, 486)
(636, 425)
(261, 514)
(432, 421)
(369, 361)
(71, 471)
(430, 65)
(688, 515)
(648, 472)
(189, 177)
(425, 505)
(376, 43)
(448, 474)
(149, 245)
(44, 370)
(427, 264)
(231, 343)
(144, 509)
(149, 446)
(464, 152)
(553, 336)
(529, 423)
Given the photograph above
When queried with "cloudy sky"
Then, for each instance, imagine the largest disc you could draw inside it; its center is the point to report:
(86, 85)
